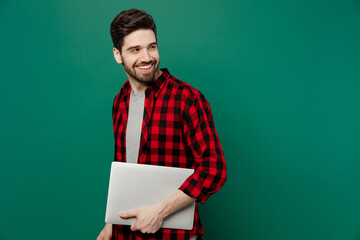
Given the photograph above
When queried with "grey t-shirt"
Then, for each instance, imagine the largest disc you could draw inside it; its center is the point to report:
(134, 124)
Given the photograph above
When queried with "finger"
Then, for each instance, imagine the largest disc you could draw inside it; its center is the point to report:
(128, 214)
(133, 227)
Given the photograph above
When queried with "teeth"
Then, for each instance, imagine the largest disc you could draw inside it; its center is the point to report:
(145, 67)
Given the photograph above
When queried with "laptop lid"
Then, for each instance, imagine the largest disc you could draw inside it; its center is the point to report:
(134, 186)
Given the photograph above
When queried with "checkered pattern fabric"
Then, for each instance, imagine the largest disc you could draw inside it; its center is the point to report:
(177, 131)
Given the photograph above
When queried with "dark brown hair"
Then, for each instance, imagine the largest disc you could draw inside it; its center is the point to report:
(127, 22)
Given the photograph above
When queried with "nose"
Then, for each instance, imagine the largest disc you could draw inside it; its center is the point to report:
(146, 56)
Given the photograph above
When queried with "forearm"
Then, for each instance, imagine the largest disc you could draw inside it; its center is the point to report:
(106, 233)
(174, 203)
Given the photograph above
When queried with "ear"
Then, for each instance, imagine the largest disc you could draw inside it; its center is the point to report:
(117, 55)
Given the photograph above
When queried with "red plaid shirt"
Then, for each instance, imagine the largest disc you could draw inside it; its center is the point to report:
(177, 131)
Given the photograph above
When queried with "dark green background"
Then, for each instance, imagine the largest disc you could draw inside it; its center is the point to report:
(282, 78)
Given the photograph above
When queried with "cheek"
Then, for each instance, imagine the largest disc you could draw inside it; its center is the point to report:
(156, 56)
(129, 62)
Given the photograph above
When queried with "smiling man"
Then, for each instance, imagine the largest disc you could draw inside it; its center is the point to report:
(140, 58)
(160, 120)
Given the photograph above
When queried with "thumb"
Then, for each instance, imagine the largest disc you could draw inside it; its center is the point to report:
(128, 214)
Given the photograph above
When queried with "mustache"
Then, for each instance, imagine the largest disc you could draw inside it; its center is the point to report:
(145, 63)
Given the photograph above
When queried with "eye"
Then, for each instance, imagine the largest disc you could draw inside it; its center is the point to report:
(153, 47)
(134, 50)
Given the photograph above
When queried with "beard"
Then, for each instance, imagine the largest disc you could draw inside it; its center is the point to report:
(145, 78)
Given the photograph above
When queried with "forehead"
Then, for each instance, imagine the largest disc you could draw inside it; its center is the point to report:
(141, 37)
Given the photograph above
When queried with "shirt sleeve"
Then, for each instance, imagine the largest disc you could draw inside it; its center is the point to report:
(202, 139)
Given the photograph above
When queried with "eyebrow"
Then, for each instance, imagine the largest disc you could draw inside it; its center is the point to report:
(137, 46)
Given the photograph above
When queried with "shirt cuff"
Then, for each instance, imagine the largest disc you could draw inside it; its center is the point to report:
(194, 188)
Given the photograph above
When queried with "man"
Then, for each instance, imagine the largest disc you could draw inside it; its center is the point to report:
(160, 120)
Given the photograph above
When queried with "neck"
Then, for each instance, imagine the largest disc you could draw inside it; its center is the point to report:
(138, 87)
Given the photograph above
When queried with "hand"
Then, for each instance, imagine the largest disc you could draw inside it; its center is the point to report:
(106, 233)
(148, 219)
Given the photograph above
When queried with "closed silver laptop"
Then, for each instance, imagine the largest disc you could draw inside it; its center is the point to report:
(133, 186)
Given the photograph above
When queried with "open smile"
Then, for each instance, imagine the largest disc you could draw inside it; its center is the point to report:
(145, 68)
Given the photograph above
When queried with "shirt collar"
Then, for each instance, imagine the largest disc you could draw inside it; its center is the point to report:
(155, 87)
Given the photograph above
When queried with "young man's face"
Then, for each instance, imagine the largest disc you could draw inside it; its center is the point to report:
(139, 56)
